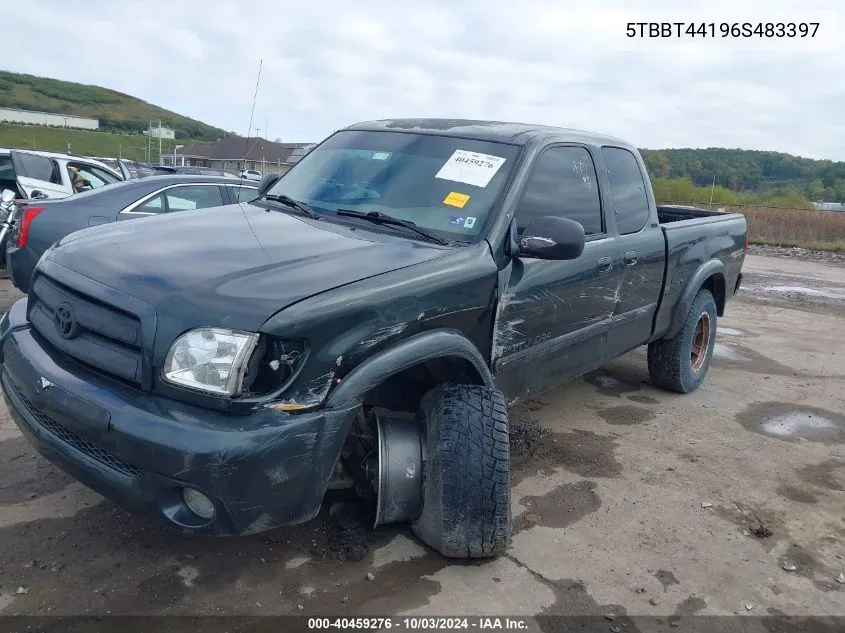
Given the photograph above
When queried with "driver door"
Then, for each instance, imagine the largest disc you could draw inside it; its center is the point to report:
(553, 317)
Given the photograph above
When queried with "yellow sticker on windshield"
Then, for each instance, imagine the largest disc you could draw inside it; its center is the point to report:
(456, 199)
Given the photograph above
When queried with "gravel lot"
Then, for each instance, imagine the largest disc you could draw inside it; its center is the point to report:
(627, 500)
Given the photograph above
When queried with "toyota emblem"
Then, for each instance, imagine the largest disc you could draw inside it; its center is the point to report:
(66, 320)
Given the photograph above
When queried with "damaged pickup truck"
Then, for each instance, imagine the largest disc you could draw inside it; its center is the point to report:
(366, 322)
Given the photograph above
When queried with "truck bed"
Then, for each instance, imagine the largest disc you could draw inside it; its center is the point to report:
(667, 213)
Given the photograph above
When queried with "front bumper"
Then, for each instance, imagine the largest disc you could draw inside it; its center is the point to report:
(261, 471)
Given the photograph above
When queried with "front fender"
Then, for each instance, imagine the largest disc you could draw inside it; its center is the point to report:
(404, 355)
(682, 308)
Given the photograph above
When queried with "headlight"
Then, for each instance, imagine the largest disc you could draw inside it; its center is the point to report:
(210, 359)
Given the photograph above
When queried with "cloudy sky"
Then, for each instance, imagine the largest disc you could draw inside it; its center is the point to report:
(329, 63)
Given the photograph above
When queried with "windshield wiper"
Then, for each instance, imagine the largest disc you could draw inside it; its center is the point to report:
(294, 204)
(382, 218)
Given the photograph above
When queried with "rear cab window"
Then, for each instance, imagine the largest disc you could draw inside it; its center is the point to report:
(627, 189)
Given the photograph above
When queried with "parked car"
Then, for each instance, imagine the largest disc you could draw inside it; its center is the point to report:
(192, 170)
(251, 174)
(42, 222)
(35, 174)
(365, 322)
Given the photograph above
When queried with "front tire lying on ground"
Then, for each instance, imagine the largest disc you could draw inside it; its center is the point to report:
(680, 363)
(466, 511)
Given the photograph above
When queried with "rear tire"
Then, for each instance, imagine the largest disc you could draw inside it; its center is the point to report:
(680, 363)
(466, 510)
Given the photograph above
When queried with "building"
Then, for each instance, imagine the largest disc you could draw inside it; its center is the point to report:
(829, 206)
(161, 132)
(11, 115)
(236, 154)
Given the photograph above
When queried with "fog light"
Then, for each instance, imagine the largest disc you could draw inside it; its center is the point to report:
(198, 503)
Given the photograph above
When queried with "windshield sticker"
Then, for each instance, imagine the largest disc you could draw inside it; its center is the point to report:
(457, 219)
(469, 223)
(381, 155)
(471, 168)
(456, 199)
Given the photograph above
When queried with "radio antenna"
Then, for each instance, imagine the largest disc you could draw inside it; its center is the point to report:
(252, 114)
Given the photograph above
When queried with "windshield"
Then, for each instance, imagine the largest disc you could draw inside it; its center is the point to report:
(440, 183)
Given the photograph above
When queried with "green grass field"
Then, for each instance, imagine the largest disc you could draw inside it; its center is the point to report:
(84, 142)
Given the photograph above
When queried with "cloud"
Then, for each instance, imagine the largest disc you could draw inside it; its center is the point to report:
(331, 63)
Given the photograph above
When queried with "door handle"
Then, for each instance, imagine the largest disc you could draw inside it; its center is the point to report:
(630, 258)
(605, 264)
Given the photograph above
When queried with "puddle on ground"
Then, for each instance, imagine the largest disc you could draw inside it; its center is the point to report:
(614, 382)
(644, 399)
(573, 599)
(559, 508)
(626, 415)
(793, 423)
(666, 578)
(829, 474)
(727, 351)
(796, 494)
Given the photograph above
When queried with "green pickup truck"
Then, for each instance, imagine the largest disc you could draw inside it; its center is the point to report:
(365, 322)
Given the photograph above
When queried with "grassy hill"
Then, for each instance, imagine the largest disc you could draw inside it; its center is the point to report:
(84, 142)
(117, 112)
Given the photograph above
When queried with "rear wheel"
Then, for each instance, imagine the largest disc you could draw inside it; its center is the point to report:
(466, 503)
(680, 363)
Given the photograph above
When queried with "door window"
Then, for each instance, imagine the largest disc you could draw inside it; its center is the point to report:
(39, 168)
(91, 177)
(153, 205)
(194, 197)
(562, 183)
(627, 188)
(243, 194)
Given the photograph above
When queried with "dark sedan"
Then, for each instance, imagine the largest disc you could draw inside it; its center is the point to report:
(41, 223)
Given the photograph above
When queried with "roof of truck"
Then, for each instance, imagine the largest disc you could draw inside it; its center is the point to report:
(497, 131)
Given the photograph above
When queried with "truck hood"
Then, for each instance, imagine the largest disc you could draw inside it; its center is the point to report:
(232, 266)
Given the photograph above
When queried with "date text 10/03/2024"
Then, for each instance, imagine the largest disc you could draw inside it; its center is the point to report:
(722, 29)
(419, 623)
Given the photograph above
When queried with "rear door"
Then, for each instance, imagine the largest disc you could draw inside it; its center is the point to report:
(641, 248)
(35, 173)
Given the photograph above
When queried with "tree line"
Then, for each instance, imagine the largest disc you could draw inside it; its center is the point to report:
(746, 176)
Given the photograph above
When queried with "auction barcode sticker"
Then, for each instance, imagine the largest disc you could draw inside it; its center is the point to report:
(471, 168)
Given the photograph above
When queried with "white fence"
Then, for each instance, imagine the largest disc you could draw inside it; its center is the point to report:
(9, 115)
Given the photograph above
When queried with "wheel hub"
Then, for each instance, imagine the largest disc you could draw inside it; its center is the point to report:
(399, 469)
(700, 342)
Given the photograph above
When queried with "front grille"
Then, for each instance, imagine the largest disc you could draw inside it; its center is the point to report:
(98, 453)
(102, 337)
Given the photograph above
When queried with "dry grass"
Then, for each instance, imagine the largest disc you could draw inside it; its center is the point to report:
(804, 228)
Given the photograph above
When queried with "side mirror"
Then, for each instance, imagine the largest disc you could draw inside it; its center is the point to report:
(552, 237)
(7, 196)
(267, 183)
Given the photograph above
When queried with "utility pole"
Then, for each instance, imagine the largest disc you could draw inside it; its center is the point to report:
(712, 190)
(159, 140)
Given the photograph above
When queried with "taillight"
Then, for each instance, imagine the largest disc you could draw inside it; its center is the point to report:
(29, 214)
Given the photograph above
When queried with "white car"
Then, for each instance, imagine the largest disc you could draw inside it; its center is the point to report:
(251, 174)
(35, 174)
